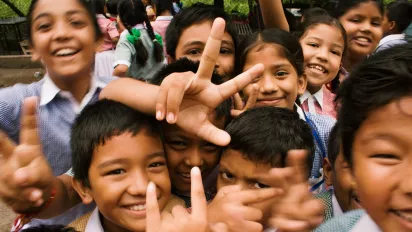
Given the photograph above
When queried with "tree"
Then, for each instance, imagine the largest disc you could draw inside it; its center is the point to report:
(13, 7)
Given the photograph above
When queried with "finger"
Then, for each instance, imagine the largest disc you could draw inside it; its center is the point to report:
(207, 131)
(26, 154)
(238, 102)
(277, 177)
(257, 195)
(212, 50)
(235, 113)
(199, 204)
(230, 189)
(179, 212)
(6, 146)
(248, 213)
(152, 209)
(28, 131)
(297, 159)
(30, 175)
(229, 88)
(175, 95)
(284, 224)
(250, 226)
(161, 101)
(218, 227)
(252, 97)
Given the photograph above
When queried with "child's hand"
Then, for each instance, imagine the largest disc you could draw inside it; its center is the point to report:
(180, 219)
(25, 173)
(239, 107)
(231, 206)
(297, 210)
(187, 98)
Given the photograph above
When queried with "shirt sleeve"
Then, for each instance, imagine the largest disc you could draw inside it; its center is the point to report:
(123, 54)
(70, 172)
(112, 30)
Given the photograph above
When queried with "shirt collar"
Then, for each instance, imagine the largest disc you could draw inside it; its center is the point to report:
(318, 96)
(300, 112)
(49, 89)
(391, 37)
(164, 18)
(366, 223)
(94, 224)
(337, 210)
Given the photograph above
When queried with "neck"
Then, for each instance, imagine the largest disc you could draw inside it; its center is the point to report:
(351, 61)
(78, 85)
(166, 13)
(313, 89)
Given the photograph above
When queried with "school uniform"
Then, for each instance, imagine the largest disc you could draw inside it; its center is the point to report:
(56, 112)
(391, 41)
(125, 54)
(353, 221)
(104, 60)
(332, 207)
(321, 102)
(91, 222)
(160, 26)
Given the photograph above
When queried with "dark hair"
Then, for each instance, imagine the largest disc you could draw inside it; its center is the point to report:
(186, 65)
(334, 143)
(98, 7)
(84, 3)
(312, 12)
(401, 13)
(266, 134)
(49, 228)
(289, 44)
(112, 6)
(343, 6)
(98, 123)
(164, 5)
(381, 79)
(133, 12)
(196, 14)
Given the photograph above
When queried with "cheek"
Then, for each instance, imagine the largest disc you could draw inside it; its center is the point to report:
(211, 160)
(174, 158)
(247, 89)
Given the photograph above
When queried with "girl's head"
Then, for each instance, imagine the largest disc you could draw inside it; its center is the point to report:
(132, 13)
(398, 16)
(281, 54)
(323, 40)
(164, 6)
(112, 7)
(376, 122)
(99, 7)
(362, 21)
(63, 34)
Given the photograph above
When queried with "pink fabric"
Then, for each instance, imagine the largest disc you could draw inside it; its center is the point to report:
(160, 26)
(328, 104)
(109, 31)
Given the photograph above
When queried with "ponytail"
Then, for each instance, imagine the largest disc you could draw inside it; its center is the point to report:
(158, 48)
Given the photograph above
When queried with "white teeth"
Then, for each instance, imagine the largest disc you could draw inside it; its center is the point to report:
(137, 207)
(65, 52)
(185, 175)
(320, 68)
(362, 39)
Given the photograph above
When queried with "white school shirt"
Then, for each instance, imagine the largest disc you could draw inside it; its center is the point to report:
(336, 209)
(366, 223)
(318, 96)
(94, 224)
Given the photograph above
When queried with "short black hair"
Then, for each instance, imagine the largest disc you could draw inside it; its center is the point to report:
(343, 6)
(186, 65)
(334, 143)
(195, 14)
(290, 44)
(98, 123)
(163, 6)
(266, 134)
(383, 78)
(401, 13)
(312, 12)
(112, 6)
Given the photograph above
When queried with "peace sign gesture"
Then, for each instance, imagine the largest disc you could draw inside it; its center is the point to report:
(24, 166)
(188, 98)
(180, 219)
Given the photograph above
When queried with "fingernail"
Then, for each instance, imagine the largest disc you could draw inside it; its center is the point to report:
(195, 171)
(159, 115)
(36, 194)
(39, 203)
(170, 117)
(151, 187)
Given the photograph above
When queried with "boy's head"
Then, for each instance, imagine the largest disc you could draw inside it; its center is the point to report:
(117, 151)
(337, 174)
(185, 150)
(260, 140)
(397, 17)
(376, 119)
(187, 34)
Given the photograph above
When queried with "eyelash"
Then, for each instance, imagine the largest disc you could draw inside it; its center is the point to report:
(157, 164)
(225, 175)
(115, 172)
(259, 185)
(281, 73)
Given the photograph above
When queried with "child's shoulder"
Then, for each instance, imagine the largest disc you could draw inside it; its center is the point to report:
(81, 223)
(15, 94)
(344, 223)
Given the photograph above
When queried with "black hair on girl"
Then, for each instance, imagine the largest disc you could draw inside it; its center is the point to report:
(289, 43)
(343, 6)
(84, 3)
(164, 5)
(401, 13)
(313, 12)
(112, 6)
(131, 13)
(98, 7)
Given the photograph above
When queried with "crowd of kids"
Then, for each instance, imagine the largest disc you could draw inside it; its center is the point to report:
(157, 117)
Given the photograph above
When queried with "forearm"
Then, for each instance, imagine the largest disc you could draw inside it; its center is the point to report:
(273, 14)
(64, 199)
(136, 94)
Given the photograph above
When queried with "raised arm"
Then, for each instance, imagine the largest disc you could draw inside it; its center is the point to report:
(273, 14)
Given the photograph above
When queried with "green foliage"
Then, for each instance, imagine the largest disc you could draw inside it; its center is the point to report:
(237, 7)
(6, 12)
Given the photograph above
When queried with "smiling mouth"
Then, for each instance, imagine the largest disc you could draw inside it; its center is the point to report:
(365, 41)
(317, 68)
(404, 214)
(136, 207)
(66, 52)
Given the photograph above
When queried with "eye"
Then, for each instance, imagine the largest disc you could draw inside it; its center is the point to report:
(227, 176)
(194, 52)
(281, 73)
(157, 164)
(225, 51)
(313, 45)
(336, 52)
(177, 144)
(258, 185)
(116, 172)
(386, 159)
(385, 156)
(77, 23)
(256, 80)
(210, 147)
(355, 20)
(376, 23)
(44, 27)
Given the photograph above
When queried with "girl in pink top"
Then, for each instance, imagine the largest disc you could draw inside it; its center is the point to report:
(164, 17)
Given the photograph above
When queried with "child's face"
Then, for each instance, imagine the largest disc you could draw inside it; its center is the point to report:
(235, 170)
(63, 36)
(185, 151)
(387, 26)
(323, 47)
(342, 181)
(279, 85)
(192, 43)
(119, 174)
(363, 27)
(382, 164)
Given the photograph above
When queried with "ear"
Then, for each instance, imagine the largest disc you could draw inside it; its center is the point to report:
(35, 56)
(302, 83)
(392, 26)
(170, 59)
(327, 171)
(84, 192)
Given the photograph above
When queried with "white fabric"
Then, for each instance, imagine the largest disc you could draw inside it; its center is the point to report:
(50, 90)
(300, 112)
(94, 224)
(164, 18)
(391, 37)
(366, 224)
(337, 210)
(318, 96)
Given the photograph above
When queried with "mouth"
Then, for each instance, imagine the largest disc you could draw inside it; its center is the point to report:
(317, 68)
(136, 208)
(405, 217)
(356, 200)
(269, 101)
(363, 40)
(66, 52)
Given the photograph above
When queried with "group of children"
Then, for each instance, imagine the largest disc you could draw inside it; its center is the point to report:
(285, 129)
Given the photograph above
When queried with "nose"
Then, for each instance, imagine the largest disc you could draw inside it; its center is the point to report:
(137, 183)
(366, 27)
(323, 54)
(194, 158)
(61, 31)
(268, 84)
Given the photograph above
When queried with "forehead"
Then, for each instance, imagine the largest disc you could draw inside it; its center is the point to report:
(267, 54)
(200, 33)
(57, 7)
(366, 9)
(241, 167)
(326, 33)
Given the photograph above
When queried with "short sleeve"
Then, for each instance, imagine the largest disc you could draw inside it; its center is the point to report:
(123, 54)
(112, 30)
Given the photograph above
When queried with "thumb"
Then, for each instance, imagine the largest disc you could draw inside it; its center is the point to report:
(211, 133)
(153, 218)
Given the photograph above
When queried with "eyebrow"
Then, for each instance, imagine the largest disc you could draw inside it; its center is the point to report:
(317, 38)
(227, 42)
(192, 43)
(69, 13)
(124, 161)
(281, 65)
